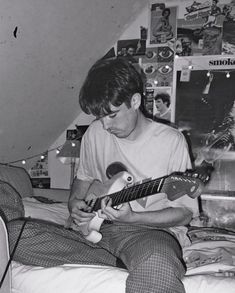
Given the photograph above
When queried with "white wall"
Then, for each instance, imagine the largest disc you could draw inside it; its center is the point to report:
(60, 173)
(46, 48)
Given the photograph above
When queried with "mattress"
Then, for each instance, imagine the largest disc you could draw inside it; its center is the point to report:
(210, 263)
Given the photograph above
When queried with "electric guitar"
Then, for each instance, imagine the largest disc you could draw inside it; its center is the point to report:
(217, 144)
(119, 190)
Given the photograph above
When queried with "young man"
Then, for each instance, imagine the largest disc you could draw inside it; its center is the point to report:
(162, 102)
(144, 232)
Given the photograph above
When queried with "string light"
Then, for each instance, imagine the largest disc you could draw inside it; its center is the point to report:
(228, 74)
(208, 74)
(41, 155)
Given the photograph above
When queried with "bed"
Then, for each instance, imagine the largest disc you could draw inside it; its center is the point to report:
(210, 258)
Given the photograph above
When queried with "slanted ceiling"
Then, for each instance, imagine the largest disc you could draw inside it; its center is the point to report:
(46, 48)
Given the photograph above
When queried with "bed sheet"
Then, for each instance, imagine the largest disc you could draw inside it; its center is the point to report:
(56, 212)
(211, 265)
(95, 279)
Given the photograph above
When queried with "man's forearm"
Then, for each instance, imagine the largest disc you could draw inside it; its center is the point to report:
(166, 218)
(78, 191)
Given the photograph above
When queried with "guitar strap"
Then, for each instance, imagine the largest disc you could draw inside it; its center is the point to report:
(13, 252)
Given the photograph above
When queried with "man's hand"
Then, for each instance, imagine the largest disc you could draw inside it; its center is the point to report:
(122, 214)
(203, 172)
(80, 212)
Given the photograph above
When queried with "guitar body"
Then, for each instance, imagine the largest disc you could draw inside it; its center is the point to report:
(116, 183)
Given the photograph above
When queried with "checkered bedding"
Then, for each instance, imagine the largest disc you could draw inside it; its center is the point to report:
(216, 275)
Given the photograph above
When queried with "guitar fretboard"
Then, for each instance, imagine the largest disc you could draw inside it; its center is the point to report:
(132, 193)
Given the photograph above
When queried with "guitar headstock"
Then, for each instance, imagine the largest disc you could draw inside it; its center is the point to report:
(179, 184)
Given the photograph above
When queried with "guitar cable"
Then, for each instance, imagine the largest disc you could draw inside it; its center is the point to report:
(13, 252)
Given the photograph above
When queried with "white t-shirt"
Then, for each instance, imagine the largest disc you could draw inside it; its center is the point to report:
(159, 151)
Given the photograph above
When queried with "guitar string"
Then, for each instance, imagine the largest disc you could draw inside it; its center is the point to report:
(122, 195)
(133, 191)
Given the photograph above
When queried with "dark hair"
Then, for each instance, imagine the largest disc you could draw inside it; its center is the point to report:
(131, 46)
(166, 9)
(164, 97)
(112, 81)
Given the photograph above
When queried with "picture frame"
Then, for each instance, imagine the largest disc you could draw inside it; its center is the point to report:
(162, 24)
(76, 133)
(131, 49)
(41, 182)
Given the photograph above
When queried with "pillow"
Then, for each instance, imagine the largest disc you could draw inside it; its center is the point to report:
(11, 205)
(18, 178)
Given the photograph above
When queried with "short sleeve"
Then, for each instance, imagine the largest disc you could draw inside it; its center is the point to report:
(179, 159)
(85, 161)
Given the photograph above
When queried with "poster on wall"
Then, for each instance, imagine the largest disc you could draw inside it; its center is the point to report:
(39, 174)
(228, 46)
(157, 102)
(205, 108)
(205, 27)
(76, 133)
(131, 49)
(162, 103)
(157, 64)
(162, 24)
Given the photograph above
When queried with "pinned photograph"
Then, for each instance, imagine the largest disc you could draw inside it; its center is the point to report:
(157, 64)
(131, 49)
(204, 28)
(162, 103)
(76, 133)
(157, 103)
(162, 24)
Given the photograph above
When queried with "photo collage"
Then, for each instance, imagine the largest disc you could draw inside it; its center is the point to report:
(193, 28)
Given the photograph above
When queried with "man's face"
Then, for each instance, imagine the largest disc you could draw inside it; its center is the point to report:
(121, 122)
(214, 3)
(166, 13)
(161, 107)
(131, 51)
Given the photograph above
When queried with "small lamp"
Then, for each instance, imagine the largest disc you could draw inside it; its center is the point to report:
(70, 150)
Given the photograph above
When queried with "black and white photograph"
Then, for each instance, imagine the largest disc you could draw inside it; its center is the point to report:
(117, 153)
(131, 49)
(205, 108)
(162, 24)
(157, 64)
(76, 133)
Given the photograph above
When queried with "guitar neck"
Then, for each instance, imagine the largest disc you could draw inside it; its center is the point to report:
(132, 193)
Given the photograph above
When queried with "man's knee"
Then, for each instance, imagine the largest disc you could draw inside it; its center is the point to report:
(159, 273)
